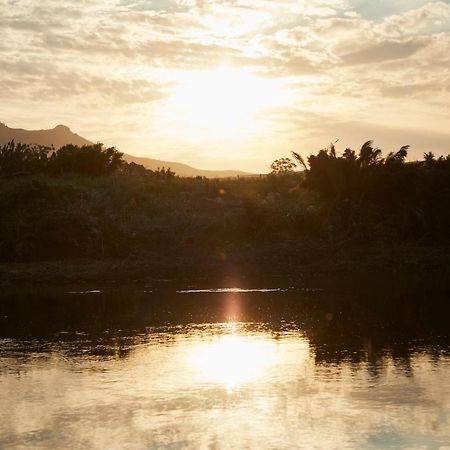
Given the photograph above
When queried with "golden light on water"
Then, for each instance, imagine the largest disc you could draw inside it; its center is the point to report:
(233, 360)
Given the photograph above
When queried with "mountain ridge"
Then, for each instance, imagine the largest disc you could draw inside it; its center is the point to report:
(62, 135)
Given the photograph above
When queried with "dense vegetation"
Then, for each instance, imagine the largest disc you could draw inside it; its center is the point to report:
(371, 197)
(85, 202)
(88, 160)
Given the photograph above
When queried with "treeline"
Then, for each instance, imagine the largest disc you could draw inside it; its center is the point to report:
(86, 202)
(89, 160)
(371, 196)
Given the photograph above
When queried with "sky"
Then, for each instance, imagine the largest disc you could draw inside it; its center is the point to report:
(230, 84)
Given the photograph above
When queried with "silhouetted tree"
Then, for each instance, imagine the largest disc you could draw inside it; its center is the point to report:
(283, 165)
(368, 195)
(23, 159)
(163, 172)
(90, 160)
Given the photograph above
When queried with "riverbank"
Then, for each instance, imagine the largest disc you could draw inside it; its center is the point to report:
(415, 263)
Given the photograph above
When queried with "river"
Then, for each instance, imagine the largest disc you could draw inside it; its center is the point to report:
(168, 366)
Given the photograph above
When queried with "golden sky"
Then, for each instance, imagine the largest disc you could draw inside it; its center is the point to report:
(231, 83)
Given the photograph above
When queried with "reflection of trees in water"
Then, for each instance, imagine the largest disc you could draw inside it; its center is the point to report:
(376, 327)
(365, 328)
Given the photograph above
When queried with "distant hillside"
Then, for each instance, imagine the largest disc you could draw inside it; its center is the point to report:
(62, 135)
(183, 170)
(58, 136)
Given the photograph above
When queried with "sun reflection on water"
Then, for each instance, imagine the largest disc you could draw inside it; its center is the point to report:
(233, 360)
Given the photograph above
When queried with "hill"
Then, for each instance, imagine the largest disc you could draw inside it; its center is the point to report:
(62, 135)
(58, 136)
(183, 170)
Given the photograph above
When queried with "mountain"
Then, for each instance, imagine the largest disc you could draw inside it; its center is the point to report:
(62, 135)
(183, 170)
(58, 136)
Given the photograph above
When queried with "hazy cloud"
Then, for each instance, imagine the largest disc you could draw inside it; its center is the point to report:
(384, 51)
(351, 58)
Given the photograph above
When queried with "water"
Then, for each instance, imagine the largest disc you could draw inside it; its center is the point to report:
(181, 367)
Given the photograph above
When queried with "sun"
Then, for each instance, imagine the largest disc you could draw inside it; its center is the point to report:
(225, 103)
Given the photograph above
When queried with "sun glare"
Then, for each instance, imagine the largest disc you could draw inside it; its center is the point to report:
(223, 103)
(234, 360)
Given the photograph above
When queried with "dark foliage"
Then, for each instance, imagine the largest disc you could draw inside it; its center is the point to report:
(370, 196)
(283, 165)
(17, 159)
(85, 202)
(90, 160)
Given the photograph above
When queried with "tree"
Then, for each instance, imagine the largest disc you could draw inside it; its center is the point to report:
(23, 158)
(283, 165)
(429, 159)
(369, 155)
(90, 160)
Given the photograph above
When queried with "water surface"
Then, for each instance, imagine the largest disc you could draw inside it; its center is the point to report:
(278, 368)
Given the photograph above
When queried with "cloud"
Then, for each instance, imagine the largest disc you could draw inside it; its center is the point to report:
(350, 57)
(414, 89)
(384, 51)
(415, 20)
(49, 82)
